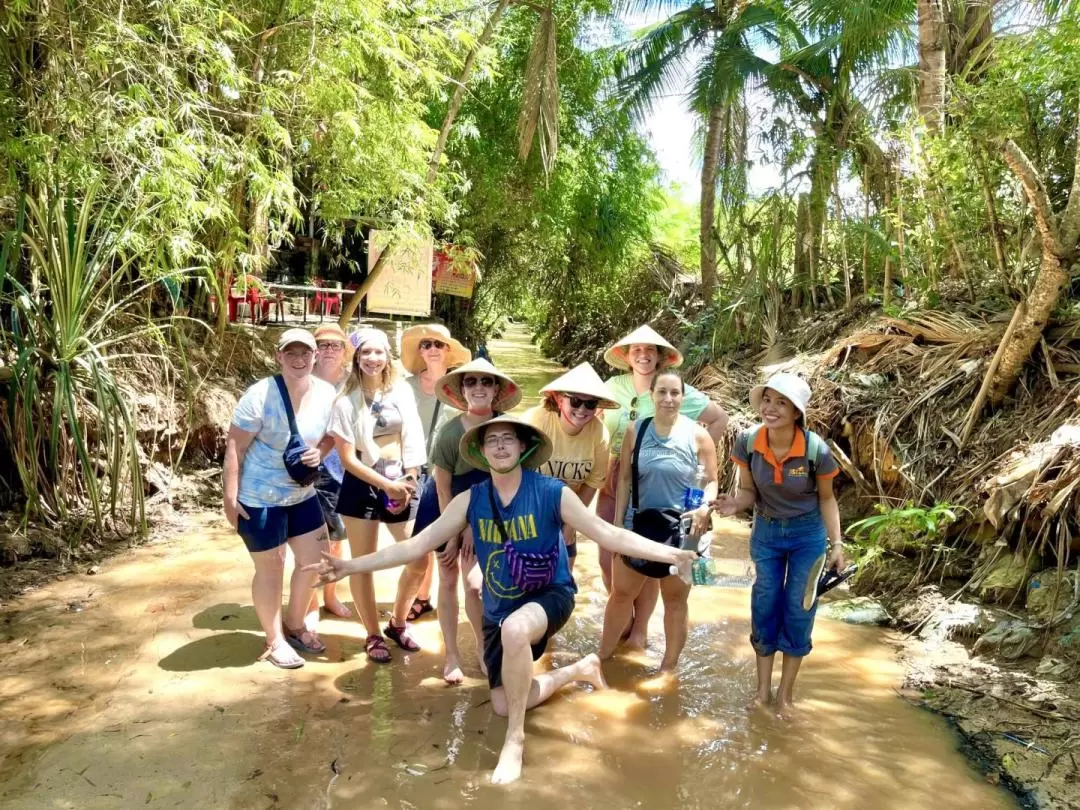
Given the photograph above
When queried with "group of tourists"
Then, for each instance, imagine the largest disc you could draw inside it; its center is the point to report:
(339, 442)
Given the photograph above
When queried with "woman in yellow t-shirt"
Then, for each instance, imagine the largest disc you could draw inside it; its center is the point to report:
(568, 416)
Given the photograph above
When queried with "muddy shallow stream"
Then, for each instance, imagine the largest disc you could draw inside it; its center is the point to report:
(138, 687)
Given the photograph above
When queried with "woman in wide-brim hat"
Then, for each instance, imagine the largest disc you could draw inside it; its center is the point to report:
(795, 514)
(570, 415)
(428, 352)
(641, 354)
(481, 392)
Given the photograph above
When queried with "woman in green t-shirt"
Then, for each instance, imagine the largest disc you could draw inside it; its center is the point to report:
(642, 354)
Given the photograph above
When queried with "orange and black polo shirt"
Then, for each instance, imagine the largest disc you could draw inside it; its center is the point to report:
(784, 487)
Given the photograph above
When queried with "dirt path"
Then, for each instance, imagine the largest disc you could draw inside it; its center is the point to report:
(138, 687)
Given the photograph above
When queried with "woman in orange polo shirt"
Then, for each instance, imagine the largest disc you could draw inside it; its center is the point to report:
(786, 475)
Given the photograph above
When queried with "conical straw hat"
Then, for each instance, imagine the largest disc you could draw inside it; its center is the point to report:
(585, 382)
(470, 449)
(410, 346)
(448, 387)
(616, 356)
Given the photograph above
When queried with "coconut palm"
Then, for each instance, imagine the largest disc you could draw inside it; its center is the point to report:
(705, 52)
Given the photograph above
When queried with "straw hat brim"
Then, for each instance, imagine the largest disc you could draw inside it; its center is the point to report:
(617, 355)
(582, 381)
(448, 387)
(470, 450)
(410, 347)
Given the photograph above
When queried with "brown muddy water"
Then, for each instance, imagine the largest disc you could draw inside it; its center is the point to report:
(138, 687)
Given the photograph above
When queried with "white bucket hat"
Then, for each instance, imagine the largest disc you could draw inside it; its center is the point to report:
(790, 386)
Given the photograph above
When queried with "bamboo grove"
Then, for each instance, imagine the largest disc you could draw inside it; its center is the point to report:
(923, 152)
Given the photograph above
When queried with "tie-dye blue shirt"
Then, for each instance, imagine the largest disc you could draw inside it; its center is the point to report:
(264, 481)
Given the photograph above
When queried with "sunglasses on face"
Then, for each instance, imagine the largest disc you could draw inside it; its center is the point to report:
(377, 408)
(431, 344)
(472, 382)
(587, 404)
(330, 346)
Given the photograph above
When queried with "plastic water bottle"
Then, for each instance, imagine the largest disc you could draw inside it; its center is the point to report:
(694, 495)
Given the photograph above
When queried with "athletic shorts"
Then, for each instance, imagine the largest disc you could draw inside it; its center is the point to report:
(359, 499)
(557, 602)
(268, 527)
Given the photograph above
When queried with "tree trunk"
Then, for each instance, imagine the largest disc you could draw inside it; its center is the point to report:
(714, 137)
(452, 111)
(1058, 254)
(802, 251)
(841, 236)
(932, 64)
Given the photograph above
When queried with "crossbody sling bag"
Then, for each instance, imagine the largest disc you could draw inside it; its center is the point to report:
(659, 525)
(529, 570)
(300, 472)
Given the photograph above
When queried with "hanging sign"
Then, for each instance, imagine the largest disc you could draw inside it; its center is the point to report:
(404, 287)
(455, 271)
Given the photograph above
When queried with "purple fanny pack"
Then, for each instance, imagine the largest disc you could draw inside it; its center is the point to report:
(529, 570)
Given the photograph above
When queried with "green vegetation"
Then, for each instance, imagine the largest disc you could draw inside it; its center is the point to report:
(925, 154)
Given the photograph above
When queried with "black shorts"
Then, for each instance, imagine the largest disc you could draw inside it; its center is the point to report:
(327, 490)
(557, 602)
(359, 499)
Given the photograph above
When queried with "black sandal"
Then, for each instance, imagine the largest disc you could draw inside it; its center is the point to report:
(419, 608)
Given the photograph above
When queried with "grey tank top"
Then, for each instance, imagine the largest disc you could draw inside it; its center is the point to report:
(666, 468)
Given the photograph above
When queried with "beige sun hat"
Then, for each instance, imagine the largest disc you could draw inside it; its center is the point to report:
(470, 449)
(617, 355)
(585, 382)
(790, 386)
(410, 346)
(448, 386)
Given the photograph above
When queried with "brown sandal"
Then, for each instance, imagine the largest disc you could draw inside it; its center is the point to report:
(376, 649)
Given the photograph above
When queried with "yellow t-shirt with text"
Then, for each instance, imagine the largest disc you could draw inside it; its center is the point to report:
(579, 460)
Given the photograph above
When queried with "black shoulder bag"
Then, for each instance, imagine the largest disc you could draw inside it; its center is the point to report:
(300, 472)
(659, 525)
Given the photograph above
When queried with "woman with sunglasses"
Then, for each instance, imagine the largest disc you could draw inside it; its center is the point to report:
(642, 354)
(380, 440)
(669, 448)
(568, 415)
(428, 352)
(482, 392)
(332, 365)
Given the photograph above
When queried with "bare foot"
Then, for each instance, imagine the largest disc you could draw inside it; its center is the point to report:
(451, 672)
(785, 710)
(758, 701)
(509, 768)
(634, 642)
(661, 682)
(592, 672)
(338, 608)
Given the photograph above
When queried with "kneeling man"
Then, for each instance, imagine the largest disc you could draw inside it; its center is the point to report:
(528, 592)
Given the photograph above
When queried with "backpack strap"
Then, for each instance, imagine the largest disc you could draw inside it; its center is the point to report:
(639, 434)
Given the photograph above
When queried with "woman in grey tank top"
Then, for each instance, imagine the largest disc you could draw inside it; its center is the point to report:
(672, 448)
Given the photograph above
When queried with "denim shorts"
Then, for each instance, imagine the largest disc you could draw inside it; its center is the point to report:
(558, 604)
(268, 527)
(784, 552)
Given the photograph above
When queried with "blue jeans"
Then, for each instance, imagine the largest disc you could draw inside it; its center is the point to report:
(783, 551)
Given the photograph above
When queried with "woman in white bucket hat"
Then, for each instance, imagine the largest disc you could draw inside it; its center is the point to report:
(786, 475)
(642, 354)
(570, 415)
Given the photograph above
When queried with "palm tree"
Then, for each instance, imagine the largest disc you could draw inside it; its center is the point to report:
(705, 51)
